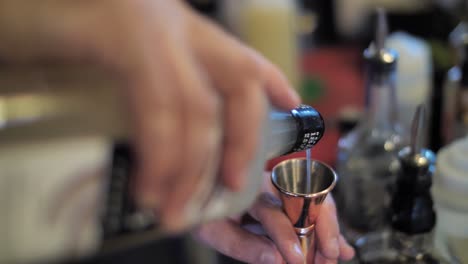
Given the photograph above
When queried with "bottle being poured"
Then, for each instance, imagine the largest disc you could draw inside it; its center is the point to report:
(78, 140)
(285, 132)
(367, 162)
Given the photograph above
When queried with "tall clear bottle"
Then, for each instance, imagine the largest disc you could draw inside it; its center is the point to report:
(455, 94)
(367, 162)
(412, 216)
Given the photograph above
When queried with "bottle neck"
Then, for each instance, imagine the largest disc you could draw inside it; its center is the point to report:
(294, 131)
(283, 134)
(464, 69)
(381, 110)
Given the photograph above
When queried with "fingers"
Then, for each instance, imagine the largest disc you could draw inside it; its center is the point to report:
(275, 224)
(245, 110)
(245, 80)
(174, 130)
(183, 147)
(158, 124)
(278, 88)
(230, 239)
(276, 85)
(239, 79)
(175, 114)
(321, 259)
(331, 243)
(200, 141)
(267, 210)
(244, 114)
(328, 230)
(346, 251)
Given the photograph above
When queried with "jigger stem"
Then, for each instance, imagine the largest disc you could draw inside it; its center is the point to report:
(308, 246)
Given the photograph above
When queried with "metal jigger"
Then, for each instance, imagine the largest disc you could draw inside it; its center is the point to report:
(302, 196)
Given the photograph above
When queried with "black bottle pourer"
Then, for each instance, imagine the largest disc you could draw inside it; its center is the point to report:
(412, 209)
(310, 127)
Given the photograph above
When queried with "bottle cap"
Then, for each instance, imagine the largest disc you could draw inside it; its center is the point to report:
(311, 127)
(379, 58)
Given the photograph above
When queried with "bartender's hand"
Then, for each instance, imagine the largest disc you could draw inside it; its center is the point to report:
(273, 240)
(182, 74)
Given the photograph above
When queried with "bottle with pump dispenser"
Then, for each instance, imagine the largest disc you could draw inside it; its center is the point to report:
(65, 166)
(411, 216)
(367, 162)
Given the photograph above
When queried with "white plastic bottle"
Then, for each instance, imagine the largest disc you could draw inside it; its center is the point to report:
(450, 193)
(413, 85)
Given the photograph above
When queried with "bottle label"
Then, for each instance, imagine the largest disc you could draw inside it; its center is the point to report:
(311, 127)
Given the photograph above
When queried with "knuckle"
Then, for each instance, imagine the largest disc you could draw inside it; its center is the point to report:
(167, 130)
(251, 69)
(252, 65)
(242, 87)
(208, 106)
(158, 137)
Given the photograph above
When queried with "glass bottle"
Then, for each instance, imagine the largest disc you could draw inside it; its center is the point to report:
(412, 215)
(367, 161)
(455, 93)
(287, 132)
(270, 27)
(450, 191)
(63, 135)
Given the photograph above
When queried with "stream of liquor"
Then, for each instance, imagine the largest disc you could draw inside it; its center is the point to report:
(308, 177)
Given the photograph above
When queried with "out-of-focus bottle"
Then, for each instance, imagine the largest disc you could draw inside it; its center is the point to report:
(414, 81)
(450, 192)
(270, 27)
(64, 182)
(455, 94)
(412, 215)
(367, 162)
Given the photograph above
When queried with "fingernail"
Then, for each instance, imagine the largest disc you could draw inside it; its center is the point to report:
(267, 258)
(332, 248)
(353, 252)
(298, 250)
(295, 96)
